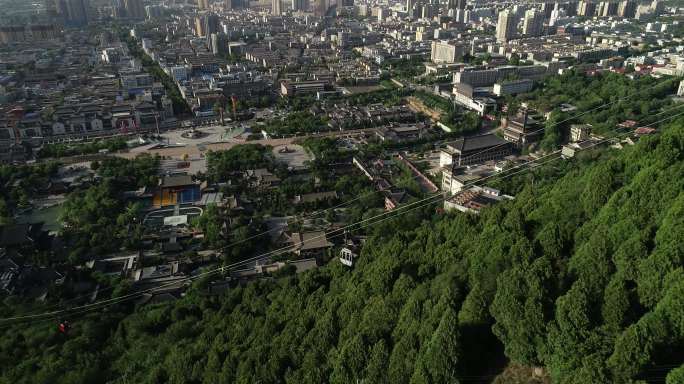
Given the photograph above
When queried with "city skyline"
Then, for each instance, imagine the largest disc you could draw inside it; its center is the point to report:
(341, 191)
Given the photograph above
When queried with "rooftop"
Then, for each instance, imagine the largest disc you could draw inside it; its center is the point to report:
(176, 181)
(474, 143)
(310, 240)
(314, 197)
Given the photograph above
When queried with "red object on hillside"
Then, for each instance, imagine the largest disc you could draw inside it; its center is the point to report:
(64, 327)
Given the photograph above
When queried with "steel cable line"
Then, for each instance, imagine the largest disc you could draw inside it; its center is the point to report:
(302, 218)
(112, 301)
(287, 248)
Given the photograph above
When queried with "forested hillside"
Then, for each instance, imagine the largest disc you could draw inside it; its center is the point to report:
(582, 274)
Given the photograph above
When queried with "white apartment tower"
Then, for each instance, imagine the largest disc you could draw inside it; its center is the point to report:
(445, 52)
(506, 26)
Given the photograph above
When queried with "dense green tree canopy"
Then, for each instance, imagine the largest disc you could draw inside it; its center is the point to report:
(60, 150)
(619, 97)
(221, 164)
(20, 183)
(98, 220)
(296, 123)
(582, 274)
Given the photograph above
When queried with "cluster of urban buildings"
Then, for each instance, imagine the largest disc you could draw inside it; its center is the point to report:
(58, 80)
(75, 72)
(171, 247)
(75, 85)
(530, 41)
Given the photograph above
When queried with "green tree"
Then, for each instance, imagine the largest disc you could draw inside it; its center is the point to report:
(211, 223)
(521, 310)
(439, 363)
(376, 369)
(675, 376)
(554, 131)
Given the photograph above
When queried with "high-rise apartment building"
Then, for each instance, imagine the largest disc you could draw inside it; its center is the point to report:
(25, 33)
(199, 27)
(446, 52)
(456, 4)
(533, 24)
(134, 9)
(320, 7)
(206, 24)
(61, 8)
(506, 26)
(300, 5)
(382, 14)
(571, 8)
(276, 7)
(557, 14)
(658, 7)
(51, 8)
(153, 11)
(428, 11)
(607, 8)
(211, 23)
(219, 43)
(586, 8)
(76, 12)
(627, 9)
